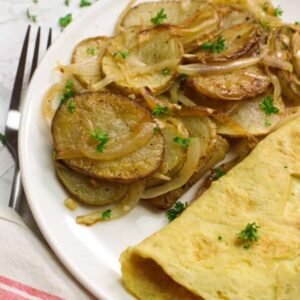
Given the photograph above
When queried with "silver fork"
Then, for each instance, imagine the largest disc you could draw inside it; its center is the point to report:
(13, 118)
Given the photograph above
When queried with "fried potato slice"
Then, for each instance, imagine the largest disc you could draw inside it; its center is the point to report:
(290, 85)
(135, 60)
(250, 116)
(89, 190)
(218, 153)
(90, 51)
(239, 41)
(174, 154)
(237, 85)
(115, 115)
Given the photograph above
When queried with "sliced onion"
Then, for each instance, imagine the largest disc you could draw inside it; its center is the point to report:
(100, 85)
(126, 205)
(182, 131)
(122, 146)
(185, 100)
(82, 69)
(67, 154)
(275, 62)
(161, 176)
(119, 27)
(194, 69)
(191, 163)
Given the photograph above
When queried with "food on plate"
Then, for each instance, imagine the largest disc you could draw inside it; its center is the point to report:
(180, 87)
(239, 240)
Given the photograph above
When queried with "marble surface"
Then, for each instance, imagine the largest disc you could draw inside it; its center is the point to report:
(13, 25)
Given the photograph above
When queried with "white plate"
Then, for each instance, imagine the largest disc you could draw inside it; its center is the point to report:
(91, 254)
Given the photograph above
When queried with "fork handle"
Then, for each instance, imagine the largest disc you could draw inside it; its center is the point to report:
(16, 191)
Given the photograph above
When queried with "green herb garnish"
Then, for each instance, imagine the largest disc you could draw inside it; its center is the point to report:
(71, 106)
(67, 2)
(91, 51)
(166, 71)
(268, 123)
(264, 24)
(268, 106)
(217, 47)
(219, 173)
(107, 214)
(266, 6)
(176, 211)
(68, 92)
(123, 54)
(155, 130)
(2, 139)
(65, 21)
(183, 78)
(84, 3)
(278, 11)
(160, 111)
(160, 17)
(249, 235)
(35, 1)
(220, 238)
(30, 17)
(182, 141)
(297, 23)
(101, 137)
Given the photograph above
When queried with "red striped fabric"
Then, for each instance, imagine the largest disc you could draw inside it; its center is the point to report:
(24, 288)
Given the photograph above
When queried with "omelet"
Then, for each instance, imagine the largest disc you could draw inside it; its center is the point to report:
(200, 255)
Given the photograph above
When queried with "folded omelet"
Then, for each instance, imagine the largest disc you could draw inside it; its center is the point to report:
(200, 255)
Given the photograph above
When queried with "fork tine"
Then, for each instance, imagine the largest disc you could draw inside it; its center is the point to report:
(49, 38)
(16, 94)
(36, 53)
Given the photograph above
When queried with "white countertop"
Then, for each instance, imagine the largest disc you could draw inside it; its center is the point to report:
(13, 25)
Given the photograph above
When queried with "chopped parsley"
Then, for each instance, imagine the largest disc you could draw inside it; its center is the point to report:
(84, 3)
(267, 106)
(160, 111)
(249, 235)
(35, 1)
(264, 24)
(71, 106)
(176, 211)
(67, 2)
(91, 51)
(2, 139)
(65, 21)
(123, 54)
(297, 23)
(268, 123)
(107, 214)
(160, 17)
(68, 92)
(166, 71)
(155, 130)
(217, 47)
(183, 78)
(219, 173)
(278, 11)
(220, 238)
(30, 17)
(101, 137)
(182, 141)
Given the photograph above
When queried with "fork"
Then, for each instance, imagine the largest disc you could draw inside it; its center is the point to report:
(13, 118)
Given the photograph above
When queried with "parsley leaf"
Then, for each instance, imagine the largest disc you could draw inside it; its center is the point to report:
(182, 141)
(278, 11)
(84, 3)
(67, 2)
(155, 130)
(123, 54)
(217, 47)
(176, 211)
(219, 173)
(249, 235)
(91, 51)
(71, 106)
(268, 106)
(297, 23)
(65, 21)
(68, 92)
(220, 238)
(102, 138)
(35, 1)
(268, 123)
(160, 111)
(107, 214)
(31, 18)
(166, 71)
(160, 17)
(2, 139)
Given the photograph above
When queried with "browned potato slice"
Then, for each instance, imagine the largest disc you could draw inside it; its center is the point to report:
(116, 115)
(251, 117)
(218, 153)
(89, 190)
(135, 60)
(176, 13)
(90, 51)
(290, 87)
(239, 40)
(174, 154)
(236, 85)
